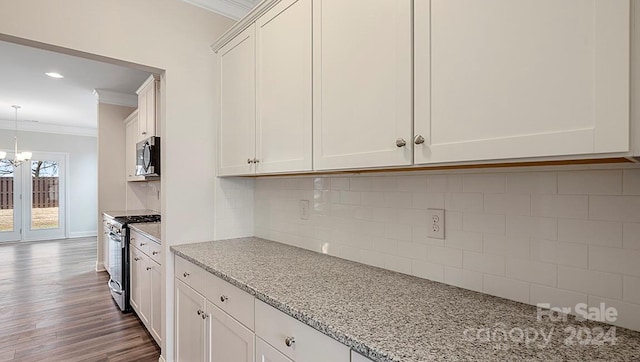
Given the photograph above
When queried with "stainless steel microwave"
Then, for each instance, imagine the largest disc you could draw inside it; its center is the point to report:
(148, 157)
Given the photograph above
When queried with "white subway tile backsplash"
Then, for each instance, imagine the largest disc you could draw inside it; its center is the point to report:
(590, 282)
(434, 200)
(532, 183)
(560, 253)
(573, 207)
(614, 260)
(559, 237)
(532, 271)
(463, 278)
(506, 288)
(412, 183)
(507, 204)
(484, 223)
(532, 226)
(556, 297)
(631, 236)
(485, 263)
(431, 271)
(631, 289)
(469, 202)
(590, 232)
(463, 240)
(631, 182)
(628, 314)
(488, 183)
(592, 182)
(446, 256)
(511, 246)
(615, 208)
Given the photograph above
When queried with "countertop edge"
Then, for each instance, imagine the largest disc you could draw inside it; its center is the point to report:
(146, 234)
(327, 330)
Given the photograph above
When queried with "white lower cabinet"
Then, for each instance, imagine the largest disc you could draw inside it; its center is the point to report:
(155, 314)
(146, 285)
(266, 353)
(215, 322)
(229, 341)
(190, 327)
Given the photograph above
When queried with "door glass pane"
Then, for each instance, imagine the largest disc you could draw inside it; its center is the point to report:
(45, 195)
(6, 196)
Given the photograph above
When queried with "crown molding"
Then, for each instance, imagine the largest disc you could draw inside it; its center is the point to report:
(243, 23)
(234, 9)
(116, 98)
(49, 128)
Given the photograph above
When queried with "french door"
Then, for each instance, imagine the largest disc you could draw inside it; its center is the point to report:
(32, 199)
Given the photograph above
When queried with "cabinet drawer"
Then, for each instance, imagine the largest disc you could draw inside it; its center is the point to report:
(230, 299)
(191, 274)
(309, 345)
(139, 241)
(155, 252)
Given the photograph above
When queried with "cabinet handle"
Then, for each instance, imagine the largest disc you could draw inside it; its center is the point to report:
(185, 274)
(155, 252)
(144, 133)
(142, 244)
(255, 160)
(418, 140)
(136, 259)
(249, 160)
(223, 298)
(400, 142)
(289, 341)
(203, 315)
(148, 268)
(199, 312)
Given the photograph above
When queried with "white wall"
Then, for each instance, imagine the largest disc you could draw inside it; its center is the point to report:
(560, 237)
(82, 189)
(166, 34)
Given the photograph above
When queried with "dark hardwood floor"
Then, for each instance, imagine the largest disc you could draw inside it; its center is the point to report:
(54, 306)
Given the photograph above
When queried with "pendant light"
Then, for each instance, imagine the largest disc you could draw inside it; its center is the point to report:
(18, 157)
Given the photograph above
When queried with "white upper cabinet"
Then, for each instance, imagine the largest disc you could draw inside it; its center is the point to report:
(148, 108)
(237, 104)
(362, 83)
(283, 54)
(498, 79)
(131, 138)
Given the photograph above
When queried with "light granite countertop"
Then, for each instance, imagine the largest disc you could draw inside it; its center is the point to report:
(393, 317)
(150, 230)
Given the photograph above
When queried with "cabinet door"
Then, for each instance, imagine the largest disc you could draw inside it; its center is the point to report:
(237, 105)
(266, 353)
(155, 315)
(135, 282)
(145, 289)
(502, 79)
(105, 246)
(131, 138)
(362, 84)
(189, 325)
(229, 341)
(283, 55)
(142, 115)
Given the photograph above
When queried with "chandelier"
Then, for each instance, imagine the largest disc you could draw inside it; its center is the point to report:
(18, 157)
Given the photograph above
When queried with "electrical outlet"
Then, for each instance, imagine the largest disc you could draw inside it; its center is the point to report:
(304, 209)
(436, 223)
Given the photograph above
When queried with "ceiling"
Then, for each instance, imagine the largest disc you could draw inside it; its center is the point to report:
(234, 9)
(67, 105)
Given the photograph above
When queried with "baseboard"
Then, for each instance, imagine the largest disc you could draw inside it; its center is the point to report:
(100, 266)
(82, 234)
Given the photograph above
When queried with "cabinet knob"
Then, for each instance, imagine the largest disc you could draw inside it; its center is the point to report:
(400, 142)
(199, 312)
(144, 133)
(203, 315)
(223, 298)
(143, 244)
(249, 160)
(255, 160)
(185, 274)
(289, 341)
(418, 140)
(133, 239)
(155, 252)
(136, 259)
(148, 268)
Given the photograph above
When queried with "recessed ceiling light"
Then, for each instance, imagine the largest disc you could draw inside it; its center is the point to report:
(54, 75)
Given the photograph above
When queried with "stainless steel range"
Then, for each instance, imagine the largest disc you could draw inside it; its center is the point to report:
(118, 237)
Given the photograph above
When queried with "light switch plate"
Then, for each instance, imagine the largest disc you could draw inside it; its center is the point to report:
(435, 221)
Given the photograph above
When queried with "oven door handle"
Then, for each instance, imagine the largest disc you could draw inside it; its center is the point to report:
(117, 291)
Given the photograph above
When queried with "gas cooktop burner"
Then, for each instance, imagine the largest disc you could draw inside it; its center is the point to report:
(138, 219)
